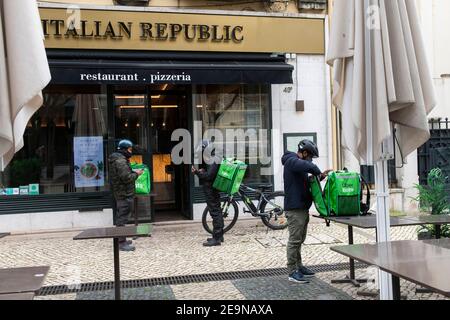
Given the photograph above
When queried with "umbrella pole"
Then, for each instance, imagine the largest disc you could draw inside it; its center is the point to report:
(383, 222)
(381, 173)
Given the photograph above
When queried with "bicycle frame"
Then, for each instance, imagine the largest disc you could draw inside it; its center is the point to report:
(252, 209)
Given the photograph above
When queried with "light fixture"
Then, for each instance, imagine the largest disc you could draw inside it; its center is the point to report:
(199, 106)
(153, 107)
(130, 97)
(126, 124)
(132, 107)
(138, 125)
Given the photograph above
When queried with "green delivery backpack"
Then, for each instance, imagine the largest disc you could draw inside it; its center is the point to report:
(142, 183)
(230, 175)
(342, 195)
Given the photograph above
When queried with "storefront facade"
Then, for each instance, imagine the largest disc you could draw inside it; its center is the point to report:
(151, 76)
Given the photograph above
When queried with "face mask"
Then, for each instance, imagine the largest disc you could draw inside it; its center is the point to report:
(126, 153)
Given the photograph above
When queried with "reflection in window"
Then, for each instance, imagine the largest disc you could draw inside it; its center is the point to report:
(237, 107)
(47, 158)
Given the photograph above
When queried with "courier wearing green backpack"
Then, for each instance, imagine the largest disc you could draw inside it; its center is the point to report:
(297, 202)
(207, 174)
(123, 179)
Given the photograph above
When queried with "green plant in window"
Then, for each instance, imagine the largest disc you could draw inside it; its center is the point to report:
(100, 167)
(433, 199)
(25, 172)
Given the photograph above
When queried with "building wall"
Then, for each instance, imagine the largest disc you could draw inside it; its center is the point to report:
(55, 221)
(436, 31)
(310, 85)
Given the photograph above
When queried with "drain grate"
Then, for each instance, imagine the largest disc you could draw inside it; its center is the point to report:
(196, 278)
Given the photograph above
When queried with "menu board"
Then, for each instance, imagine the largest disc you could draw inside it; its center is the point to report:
(88, 162)
(291, 140)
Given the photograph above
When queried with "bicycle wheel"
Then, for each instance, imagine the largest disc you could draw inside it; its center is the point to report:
(230, 213)
(276, 216)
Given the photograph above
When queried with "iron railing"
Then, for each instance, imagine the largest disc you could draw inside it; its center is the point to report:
(436, 152)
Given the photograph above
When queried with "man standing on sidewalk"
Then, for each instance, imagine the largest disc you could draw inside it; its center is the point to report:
(297, 202)
(123, 179)
(207, 174)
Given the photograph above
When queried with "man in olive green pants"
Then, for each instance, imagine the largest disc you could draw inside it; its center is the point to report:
(297, 201)
(298, 226)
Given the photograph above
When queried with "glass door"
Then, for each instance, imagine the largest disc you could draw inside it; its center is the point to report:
(131, 122)
(171, 182)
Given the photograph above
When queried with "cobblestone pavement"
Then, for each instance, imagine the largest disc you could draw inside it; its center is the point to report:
(176, 250)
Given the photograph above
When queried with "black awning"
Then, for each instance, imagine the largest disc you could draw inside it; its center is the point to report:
(99, 71)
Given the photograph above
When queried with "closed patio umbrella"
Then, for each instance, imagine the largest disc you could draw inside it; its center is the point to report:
(382, 85)
(24, 72)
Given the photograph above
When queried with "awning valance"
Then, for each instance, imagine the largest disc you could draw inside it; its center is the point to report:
(68, 71)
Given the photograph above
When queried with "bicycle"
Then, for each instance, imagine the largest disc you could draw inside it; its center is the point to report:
(269, 208)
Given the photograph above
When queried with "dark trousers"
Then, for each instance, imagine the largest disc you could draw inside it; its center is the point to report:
(298, 227)
(213, 203)
(123, 209)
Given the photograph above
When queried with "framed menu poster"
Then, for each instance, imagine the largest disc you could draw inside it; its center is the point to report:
(89, 168)
(291, 140)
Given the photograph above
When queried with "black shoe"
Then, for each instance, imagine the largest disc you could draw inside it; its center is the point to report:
(212, 243)
(221, 239)
(306, 272)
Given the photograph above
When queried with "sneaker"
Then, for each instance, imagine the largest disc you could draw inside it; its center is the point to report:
(221, 239)
(124, 246)
(306, 272)
(212, 243)
(297, 277)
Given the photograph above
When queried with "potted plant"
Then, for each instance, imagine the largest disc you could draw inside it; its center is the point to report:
(433, 199)
(25, 171)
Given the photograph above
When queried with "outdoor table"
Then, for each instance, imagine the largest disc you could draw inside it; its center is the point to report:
(443, 243)
(436, 220)
(20, 280)
(364, 222)
(17, 296)
(2, 235)
(422, 262)
(115, 233)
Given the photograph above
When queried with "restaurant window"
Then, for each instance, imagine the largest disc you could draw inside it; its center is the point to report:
(233, 110)
(65, 145)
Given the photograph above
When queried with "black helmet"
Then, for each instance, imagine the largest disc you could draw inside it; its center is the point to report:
(125, 144)
(310, 147)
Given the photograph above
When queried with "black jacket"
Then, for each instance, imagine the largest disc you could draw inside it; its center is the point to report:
(296, 184)
(209, 174)
(121, 176)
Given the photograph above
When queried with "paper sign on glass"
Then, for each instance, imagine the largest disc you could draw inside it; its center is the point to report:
(88, 162)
